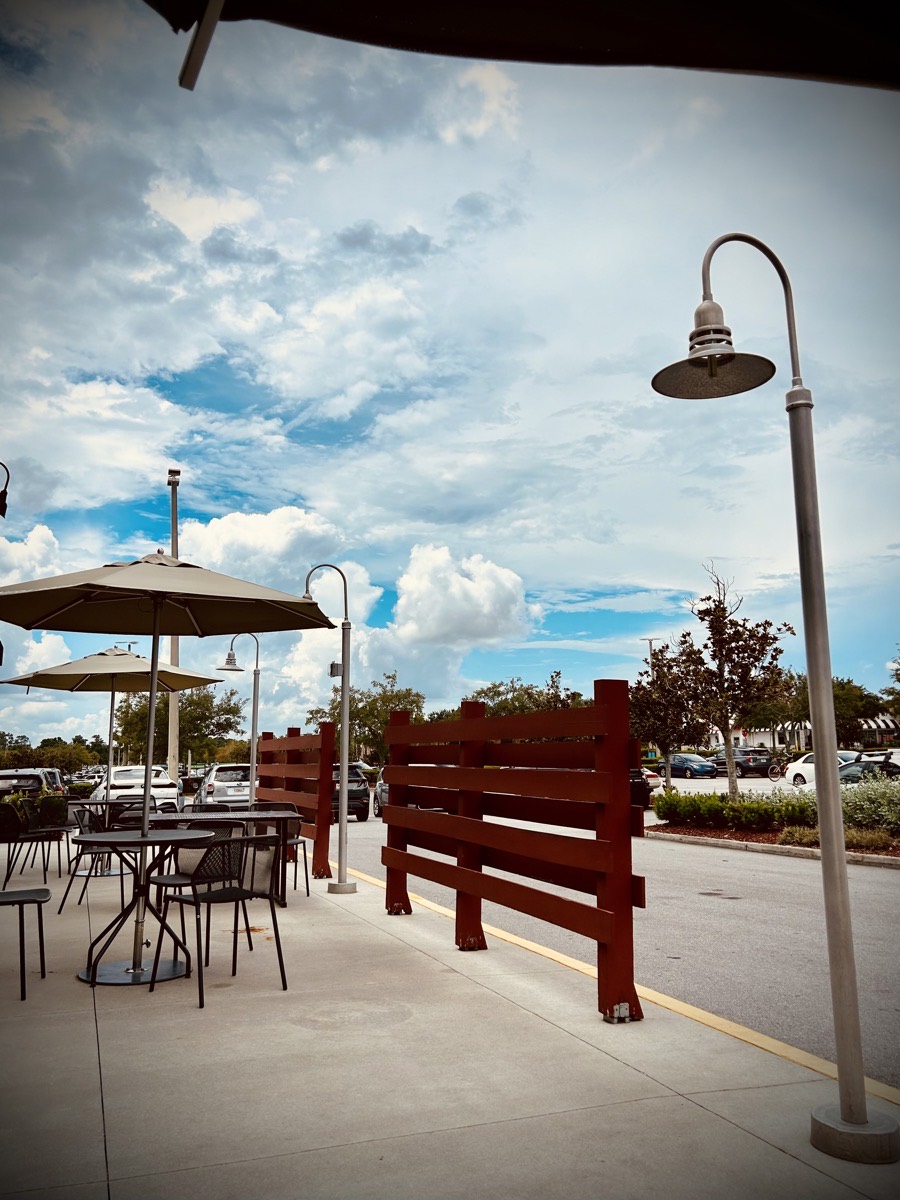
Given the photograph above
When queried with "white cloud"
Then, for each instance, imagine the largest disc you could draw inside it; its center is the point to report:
(196, 213)
(487, 99)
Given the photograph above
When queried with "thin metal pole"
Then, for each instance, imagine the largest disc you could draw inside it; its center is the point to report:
(174, 755)
(343, 802)
(844, 994)
(342, 884)
(254, 722)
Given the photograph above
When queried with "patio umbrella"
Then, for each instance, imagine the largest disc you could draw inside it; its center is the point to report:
(114, 671)
(155, 595)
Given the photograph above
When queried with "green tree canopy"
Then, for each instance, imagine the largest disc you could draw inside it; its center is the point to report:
(370, 710)
(205, 720)
(665, 703)
(740, 668)
(891, 695)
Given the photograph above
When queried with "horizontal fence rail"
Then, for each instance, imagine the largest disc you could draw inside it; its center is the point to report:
(470, 803)
(297, 770)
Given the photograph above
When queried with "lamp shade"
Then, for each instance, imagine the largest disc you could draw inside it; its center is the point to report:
(709, 376)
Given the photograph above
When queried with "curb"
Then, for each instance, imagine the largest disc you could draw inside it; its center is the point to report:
(867, 860)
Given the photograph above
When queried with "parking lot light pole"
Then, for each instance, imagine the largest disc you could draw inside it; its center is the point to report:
(342, 886)
(713, 369)
(231, 664)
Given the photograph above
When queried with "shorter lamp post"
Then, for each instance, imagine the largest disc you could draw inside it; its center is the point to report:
(231, 664)
(342, 886)
(714, 369)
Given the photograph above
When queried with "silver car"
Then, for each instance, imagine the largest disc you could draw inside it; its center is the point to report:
(226, 783)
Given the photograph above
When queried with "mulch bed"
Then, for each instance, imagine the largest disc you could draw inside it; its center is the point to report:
(742, 835)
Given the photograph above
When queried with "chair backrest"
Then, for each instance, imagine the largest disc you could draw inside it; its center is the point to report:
(11, 824)
(259, 866)
(163, 806)
(88, 821)
(219, 866)
(187, 858)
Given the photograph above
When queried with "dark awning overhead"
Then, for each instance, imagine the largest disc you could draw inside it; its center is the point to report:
(835, 42)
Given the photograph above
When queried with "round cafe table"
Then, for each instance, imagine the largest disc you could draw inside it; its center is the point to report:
(152, 848)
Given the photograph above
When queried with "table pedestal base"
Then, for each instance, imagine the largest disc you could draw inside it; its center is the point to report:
(124, 974)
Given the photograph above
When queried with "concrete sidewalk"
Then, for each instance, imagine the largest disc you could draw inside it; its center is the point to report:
(394, 1067)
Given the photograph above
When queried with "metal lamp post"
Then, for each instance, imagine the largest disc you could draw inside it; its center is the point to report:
(711, 370)
(342, 885)
(3, 491)
(231, 664)
(174, 754)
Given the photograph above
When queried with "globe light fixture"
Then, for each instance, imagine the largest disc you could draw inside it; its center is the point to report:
(713, 369)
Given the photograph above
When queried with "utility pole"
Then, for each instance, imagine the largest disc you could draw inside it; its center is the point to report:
(173, 757)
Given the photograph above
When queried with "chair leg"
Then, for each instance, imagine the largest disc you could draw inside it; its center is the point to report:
(40, 917)
(278, 944)
(21, 908)
(200, 952)
(72, 872)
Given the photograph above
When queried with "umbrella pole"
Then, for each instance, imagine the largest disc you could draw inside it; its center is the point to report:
(138, 949)
(109, 750)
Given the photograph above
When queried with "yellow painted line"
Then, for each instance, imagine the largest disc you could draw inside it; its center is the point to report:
(782, 1049)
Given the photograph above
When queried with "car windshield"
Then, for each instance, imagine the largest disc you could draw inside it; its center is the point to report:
(126, 774)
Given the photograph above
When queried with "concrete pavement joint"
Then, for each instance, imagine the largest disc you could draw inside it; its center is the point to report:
(784, 1050)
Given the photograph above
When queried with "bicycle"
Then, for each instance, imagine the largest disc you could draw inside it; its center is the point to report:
(777, 769)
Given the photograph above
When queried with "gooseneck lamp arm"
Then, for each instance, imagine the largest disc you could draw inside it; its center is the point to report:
(342, 885)
(714, 369)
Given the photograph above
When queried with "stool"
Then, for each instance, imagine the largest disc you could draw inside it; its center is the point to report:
(37, 897)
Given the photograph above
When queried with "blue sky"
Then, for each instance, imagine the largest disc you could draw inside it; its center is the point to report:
(401, 313)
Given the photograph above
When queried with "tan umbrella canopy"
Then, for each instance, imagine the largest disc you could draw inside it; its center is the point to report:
(114, 670)
(154, 595)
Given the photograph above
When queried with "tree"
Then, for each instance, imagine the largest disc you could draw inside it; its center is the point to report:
(852, 703)
(511, 697)
(785, 708)
(740, 668)
(665, 702)
(370, 710)
(205, 720)
(891, 695)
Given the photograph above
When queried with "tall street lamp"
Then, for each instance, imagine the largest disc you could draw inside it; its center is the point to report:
(231, 664)
(713, 369)
(342, 886)
(174, 754)
(4, 490)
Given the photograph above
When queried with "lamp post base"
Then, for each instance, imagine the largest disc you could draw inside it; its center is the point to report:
(878, 1141)
(341, 889)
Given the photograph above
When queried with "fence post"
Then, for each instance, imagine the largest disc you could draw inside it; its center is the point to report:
(469, 931)
(396, 893)
(617, 996)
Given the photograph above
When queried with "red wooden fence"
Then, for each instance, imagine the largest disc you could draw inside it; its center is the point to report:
(297, 770)
(445, 777)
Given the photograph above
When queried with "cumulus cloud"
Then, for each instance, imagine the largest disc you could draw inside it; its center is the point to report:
(486, 100)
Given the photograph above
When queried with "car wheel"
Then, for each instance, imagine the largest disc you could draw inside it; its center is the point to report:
(798, 780)
(740, 772)
(688, 773)
(362, 815)
(376, 807)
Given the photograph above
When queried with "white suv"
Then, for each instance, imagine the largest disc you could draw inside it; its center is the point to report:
(127, 783)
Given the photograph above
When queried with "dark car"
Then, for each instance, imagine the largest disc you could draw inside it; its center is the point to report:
(690, 765)
(867, 768)
(748, 760)
(357, 793)
(380, 796)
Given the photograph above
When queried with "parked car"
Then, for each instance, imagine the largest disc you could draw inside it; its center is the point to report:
(127, 783)
(748, 760)
(640, 788)
(357, 793)
(51, 779)
(803, 769)
(380, 795)
(28, 782)
(225, 783)
(654, 781)
(852, 773)
(689, 765)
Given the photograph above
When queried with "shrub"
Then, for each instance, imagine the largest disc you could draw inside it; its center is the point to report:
(798, 835)
(873, 804)
(867, 839)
